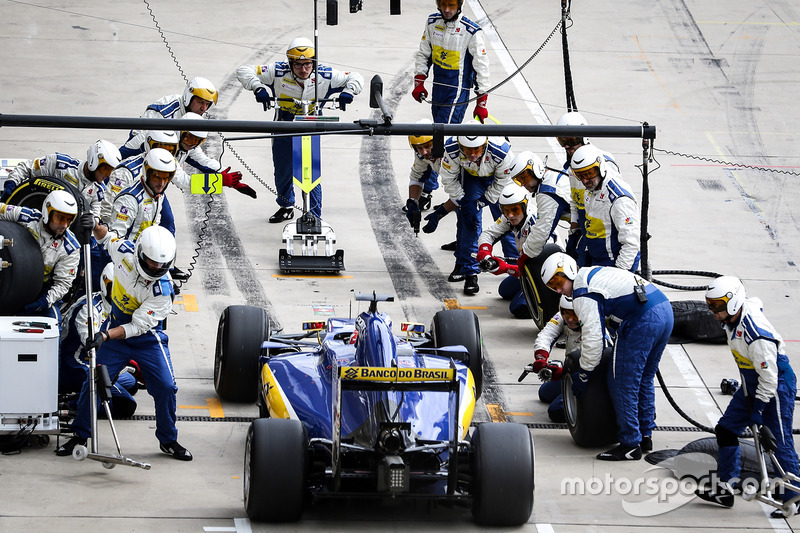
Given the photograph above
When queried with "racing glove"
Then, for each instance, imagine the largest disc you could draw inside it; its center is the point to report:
(433, 219)
(26, 214)
(8, 188)
(540, 360)
(99, 338)
(756, 415)
(419, 91)
(521, 262)
(481, 113)
(344, 99)
(556, 369)
(234, 181)
(263, 97)
(484, 251)
(413, 214)
(86, 224)
(36, 306)
(580, 380)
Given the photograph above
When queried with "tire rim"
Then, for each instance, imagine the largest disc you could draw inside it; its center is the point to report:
(531, 299)
(570, 402)
(246, 476)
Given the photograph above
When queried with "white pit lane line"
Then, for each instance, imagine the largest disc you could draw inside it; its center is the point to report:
(692, 378)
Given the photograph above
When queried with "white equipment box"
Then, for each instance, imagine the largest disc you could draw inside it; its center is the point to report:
(28, 368)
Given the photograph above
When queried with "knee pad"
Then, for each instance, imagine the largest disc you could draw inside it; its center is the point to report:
(725, 437)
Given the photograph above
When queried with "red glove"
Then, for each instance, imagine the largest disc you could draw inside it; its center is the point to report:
(234, 181)
(505, 268)
(521, 261)
(419, 91)
(556, 369)
(540, 360)
(481, 113)
(484, 251)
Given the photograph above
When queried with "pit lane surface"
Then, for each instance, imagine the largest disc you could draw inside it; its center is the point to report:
(718, 79)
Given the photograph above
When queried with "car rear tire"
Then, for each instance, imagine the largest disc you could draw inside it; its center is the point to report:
(591, 419)
(542, 302)
(503, 474)
(695, 322)
(453, 327)
(21, 282)
(275, 470)
(241, 330)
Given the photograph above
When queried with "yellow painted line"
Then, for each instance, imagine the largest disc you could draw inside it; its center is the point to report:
(189, 303)
(213, 405)
(643, 56)
(452, 303)
(215, 408)
(303, 276)
(748, 23)
(517, 413)
(495, 412)
(710, 138)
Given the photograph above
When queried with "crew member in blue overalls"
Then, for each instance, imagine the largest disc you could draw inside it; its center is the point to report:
(643, 319)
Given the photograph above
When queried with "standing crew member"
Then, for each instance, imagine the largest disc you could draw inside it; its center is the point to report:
(454, 46)
(643, 319)
(768, 390)
(295, 79)
(141, 298)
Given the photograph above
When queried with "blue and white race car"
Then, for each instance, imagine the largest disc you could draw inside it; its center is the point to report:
(349, 409)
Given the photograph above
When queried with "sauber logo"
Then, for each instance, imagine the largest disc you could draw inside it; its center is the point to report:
(396, 374)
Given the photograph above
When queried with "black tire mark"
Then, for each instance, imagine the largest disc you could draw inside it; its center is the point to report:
(407, 259)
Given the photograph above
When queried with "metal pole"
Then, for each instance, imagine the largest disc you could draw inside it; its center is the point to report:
(644, 237)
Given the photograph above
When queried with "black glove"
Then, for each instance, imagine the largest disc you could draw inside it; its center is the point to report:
(580, 380)
(8, 188)
(99, 338)
(344, 99)
(36, 306)
(413, 214)
(263, 97)
(433, 219)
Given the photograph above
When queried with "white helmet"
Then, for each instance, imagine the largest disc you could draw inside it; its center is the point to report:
(587, 157)
(158, 138)
(102, 152)
(725, 292)
(566, 303)
(557, 263)
(106, 281)
(511, 195)
(572, 118)
(160, 159)
(523, 161)
(201, 135)
(60, 201)
(201, 88)
(472, 141)
(155, 252)
(300, 48)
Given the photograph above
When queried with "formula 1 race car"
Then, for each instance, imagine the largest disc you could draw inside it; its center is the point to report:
(349, 409)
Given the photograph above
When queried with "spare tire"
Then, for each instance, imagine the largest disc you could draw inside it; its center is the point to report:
(21, 281)
(695, 322)
(32, 193)
(592, 420)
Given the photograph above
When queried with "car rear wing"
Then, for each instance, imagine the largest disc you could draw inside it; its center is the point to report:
(401, 379)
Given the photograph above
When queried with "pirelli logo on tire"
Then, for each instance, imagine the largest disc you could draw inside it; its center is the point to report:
(371, 373)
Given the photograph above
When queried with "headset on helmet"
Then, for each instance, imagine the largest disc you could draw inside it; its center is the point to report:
(572, 118)
(511, 195)
(102, 152)
(201, 135)
(300, 48)
(155, 252)
(557, 263)
(725, 293)
(161, 139)
(60, 201)
(201, 88)
(414, 140)
(523, 161)
(587, 157)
